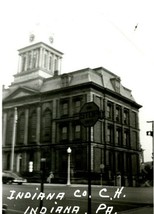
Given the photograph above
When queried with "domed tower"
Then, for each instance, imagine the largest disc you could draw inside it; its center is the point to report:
(37, 61)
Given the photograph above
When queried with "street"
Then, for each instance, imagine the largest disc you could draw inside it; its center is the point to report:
(73, 199)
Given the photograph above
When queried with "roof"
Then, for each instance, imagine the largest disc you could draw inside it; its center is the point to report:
(99, 76)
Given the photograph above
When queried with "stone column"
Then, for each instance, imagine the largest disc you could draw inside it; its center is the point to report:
(20, 61)
(26, 61)
(59, 64)
(4, 128)
(40, 58)
(31, 59)
(26, 126)
(52, 64)
(37, 58)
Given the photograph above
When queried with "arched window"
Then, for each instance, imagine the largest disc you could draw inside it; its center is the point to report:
(9, 129)
(20, 128)
(32, 127)
(46, 126)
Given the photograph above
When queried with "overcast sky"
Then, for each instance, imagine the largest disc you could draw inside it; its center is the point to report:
(90, 33)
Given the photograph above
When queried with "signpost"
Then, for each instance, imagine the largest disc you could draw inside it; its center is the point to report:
(42, 168)
(89, 114)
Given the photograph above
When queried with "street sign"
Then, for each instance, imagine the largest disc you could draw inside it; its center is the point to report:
(89, 114)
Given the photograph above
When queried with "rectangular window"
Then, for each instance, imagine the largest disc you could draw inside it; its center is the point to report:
(134, 140)
(46, 126)
(118, 114)
(32, 127)
(126, 116)
(126, 138)
(20, 129)
(77, 132)
(77, 106)
(118, 136)
(110, 134)
(64, 108)
(110, 110)
(134, 119)
(64, 133)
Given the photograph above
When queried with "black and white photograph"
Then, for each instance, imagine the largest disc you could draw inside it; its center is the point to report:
(77, 106)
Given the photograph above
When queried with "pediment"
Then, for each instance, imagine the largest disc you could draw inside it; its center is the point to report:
(20, 93)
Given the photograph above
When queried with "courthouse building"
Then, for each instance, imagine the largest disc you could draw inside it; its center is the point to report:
(41, 120)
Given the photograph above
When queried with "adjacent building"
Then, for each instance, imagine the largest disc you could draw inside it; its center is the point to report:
(41, 120)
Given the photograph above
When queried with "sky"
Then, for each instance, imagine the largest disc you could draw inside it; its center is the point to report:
(90, 33)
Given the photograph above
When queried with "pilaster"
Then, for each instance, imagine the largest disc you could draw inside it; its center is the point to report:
(38, 125)
(26, 126)
(4, 128)
(37, 160)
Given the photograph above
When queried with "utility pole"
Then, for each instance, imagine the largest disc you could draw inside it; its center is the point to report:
(151, 133)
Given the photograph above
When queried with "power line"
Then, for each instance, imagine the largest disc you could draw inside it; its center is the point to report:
(124, 34)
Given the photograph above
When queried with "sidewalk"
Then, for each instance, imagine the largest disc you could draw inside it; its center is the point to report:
(141, 210)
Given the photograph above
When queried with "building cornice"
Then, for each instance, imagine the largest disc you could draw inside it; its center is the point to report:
(86, 86)
(37, 45)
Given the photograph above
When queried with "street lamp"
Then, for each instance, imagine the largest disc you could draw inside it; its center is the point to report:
(68, 166)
